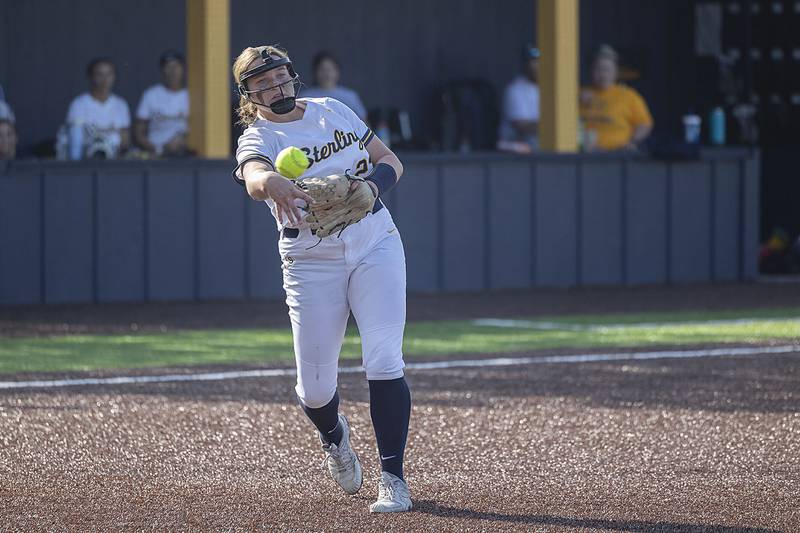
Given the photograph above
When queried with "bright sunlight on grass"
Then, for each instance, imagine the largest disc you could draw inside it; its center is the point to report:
(89, 352)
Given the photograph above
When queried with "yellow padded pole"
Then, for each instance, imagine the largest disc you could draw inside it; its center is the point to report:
(208, 62)
(557, 28)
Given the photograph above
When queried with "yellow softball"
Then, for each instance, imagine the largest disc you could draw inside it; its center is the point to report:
(291, 162)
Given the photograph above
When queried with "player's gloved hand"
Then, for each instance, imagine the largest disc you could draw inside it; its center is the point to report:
(339, 200)
(284, 192)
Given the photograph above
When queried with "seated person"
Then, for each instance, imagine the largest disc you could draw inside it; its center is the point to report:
(162, 118)
(519, 125)
(615, 116)
(104, 116)
(326, 83)
(8, 139)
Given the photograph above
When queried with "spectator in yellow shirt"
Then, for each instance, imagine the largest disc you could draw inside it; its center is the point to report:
(615, 116)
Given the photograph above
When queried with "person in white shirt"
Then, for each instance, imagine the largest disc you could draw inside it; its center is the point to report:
(519, 127)
(162, 118)
(104, 116)
(326, 84)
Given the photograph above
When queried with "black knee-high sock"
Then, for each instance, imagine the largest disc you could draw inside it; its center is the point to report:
(326, 418)
(390, 409)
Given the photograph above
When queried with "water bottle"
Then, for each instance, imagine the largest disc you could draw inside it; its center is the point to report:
(405, 126)
(62, 144)
(75, 141)
(691, 128)
(716, 126)
(384, 134)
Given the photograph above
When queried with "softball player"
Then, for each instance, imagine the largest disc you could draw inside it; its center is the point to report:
(362, 269)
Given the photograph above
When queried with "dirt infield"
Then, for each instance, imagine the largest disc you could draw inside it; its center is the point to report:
(669, 445)
(706, 444)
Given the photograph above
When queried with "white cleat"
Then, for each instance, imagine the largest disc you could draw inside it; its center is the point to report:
(342, 461)
(393, 495)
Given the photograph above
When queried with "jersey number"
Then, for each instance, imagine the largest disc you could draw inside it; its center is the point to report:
(361, 167)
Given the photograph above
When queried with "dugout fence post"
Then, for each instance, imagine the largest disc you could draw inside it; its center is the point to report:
(209, 76)
(557, 28)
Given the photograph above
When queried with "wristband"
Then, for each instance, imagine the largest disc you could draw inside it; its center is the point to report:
(384, 176)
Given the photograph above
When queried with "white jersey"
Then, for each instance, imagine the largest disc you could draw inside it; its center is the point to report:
(108, 116)
(330, 134)
(346, 96)
(100, 119)
(167, 112)
(520, 102)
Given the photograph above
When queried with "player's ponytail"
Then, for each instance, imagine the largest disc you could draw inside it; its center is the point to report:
(247, 111)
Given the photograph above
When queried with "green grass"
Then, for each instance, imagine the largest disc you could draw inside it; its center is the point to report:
(88, 352)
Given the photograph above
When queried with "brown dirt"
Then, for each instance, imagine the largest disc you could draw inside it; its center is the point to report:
(690, 445)
(671, 445)
(33, 320)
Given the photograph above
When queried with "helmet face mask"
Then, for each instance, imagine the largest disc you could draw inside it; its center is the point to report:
(260, 96)
(284, 104)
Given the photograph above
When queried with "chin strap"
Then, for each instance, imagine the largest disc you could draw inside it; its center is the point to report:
(283, 106)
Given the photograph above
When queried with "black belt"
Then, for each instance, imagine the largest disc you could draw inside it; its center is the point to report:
(292, 233)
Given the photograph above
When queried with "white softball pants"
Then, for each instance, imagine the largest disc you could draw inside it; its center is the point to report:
(364, 270)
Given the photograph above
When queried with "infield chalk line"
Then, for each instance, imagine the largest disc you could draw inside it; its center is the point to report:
(566, 326)
(433, 365)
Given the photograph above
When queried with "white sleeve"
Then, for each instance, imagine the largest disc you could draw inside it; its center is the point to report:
(253, 146)
(73, 113)
(363, 132)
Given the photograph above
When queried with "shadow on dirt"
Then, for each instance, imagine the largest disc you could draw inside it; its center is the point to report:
(583, 524)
